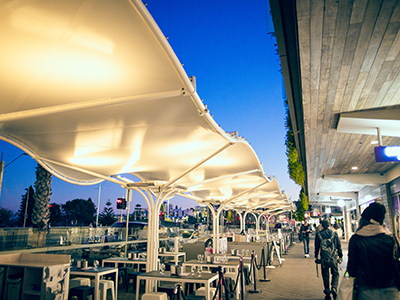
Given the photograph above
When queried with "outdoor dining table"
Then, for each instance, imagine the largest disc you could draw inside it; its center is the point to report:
(175, 255)
(206, 279)
(123, 260)
(97, 273)
(231, 266)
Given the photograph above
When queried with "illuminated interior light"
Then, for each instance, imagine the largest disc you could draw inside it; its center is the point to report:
(136, 145)
(393, 152)
(47, 25)
(354, 168)
(374, 142)
(105, 139)
(91, 160)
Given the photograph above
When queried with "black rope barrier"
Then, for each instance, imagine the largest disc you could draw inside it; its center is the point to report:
(222, 282)
(246, 275)
(264, 266)
(241, 278)
(178, 293)
(254, 267)
(233, 291)
(261, 260)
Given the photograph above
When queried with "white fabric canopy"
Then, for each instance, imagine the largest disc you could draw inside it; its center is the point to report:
(92, 90)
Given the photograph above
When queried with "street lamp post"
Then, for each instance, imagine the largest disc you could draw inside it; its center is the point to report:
(2, 167)
(26, 207)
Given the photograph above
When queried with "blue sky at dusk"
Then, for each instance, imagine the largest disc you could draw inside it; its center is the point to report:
(226, 46)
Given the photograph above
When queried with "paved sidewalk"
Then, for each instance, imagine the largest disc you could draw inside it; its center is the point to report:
(296, 279)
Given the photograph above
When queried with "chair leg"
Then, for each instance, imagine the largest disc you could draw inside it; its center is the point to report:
(113, 292)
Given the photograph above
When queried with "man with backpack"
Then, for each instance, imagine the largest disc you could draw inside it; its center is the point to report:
(327, 245)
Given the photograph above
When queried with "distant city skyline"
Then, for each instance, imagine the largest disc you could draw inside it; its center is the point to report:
(229, 51)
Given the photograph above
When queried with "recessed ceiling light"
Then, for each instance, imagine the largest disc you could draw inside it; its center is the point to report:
(354, 168)
(374, 142)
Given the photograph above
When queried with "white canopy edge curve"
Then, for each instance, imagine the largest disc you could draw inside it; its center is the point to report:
(91, 100)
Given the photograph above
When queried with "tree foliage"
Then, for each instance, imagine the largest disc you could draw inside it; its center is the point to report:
(303, 200)
(79, 212)
(56, 215)
(295, 167)
(41, 212)
(6, 217)
(107, 216)
(302, 206)
(20, 217)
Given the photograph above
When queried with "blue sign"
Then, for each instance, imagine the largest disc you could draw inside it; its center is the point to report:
(387, 154)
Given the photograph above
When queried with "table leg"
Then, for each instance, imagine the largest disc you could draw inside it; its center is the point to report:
(96, 288)
(137, 287)
(116, 284)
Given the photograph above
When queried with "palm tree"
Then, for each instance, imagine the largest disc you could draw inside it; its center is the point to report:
(107, 217)
(41, 211)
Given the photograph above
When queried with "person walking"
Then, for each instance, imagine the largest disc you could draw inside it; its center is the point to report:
(320, 227)
(370, 257)
(338, 230)
(327, 245)
(305, 230)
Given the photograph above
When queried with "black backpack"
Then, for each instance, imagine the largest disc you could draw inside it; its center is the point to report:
(328, 251)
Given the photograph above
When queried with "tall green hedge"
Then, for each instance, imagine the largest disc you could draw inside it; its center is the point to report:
(295, 167)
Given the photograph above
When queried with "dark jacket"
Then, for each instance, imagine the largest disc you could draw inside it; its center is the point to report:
(371, 260)
(326, 233)
(306, 235)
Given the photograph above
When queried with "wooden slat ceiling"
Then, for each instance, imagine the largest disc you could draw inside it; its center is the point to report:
(349, 61)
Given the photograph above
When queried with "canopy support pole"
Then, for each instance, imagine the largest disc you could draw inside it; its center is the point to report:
(241, 222)
(149, 264)
(153, 231)
(244, 222)
(128, 200)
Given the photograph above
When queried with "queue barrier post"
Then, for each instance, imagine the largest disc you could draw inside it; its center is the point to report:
(253, 263)
(264, 266)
